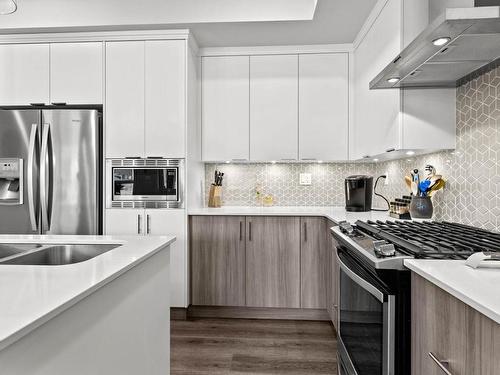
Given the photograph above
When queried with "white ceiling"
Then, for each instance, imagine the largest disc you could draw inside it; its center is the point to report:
(214, 22)
(335, 21)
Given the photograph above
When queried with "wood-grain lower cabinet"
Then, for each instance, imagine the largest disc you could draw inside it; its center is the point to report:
(273, 262)
(313, 263)
(448, 333)
(218, 260)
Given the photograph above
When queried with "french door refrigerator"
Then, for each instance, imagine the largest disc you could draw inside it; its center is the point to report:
(60, 154)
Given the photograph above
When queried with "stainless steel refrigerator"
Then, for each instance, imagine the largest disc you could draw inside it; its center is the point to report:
(50, 171)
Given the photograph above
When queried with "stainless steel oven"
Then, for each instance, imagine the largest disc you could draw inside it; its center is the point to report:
(367, 320)
(149, 183)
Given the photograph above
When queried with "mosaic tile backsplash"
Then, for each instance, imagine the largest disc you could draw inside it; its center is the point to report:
(472, 171)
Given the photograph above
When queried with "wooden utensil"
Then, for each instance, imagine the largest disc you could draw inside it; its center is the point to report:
(408, 182)
(440, 184)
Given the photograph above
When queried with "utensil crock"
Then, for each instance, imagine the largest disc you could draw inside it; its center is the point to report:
(421, 207)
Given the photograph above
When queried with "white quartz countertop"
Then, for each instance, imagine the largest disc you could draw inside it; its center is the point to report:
(477, 287)
(32, 295)
(336, 214)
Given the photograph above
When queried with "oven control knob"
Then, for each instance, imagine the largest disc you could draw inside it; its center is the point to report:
(383, 248)
(346, 227)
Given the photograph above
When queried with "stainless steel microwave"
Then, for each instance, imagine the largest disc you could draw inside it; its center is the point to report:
(144, 183)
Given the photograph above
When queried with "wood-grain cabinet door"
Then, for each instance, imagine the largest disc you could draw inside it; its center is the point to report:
(218, 260)
(313, 263)
(439, 330)
(273, 262)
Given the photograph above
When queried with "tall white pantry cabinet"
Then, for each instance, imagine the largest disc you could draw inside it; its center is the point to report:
(151, 111)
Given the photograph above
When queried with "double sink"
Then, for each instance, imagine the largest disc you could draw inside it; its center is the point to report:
(50, 255)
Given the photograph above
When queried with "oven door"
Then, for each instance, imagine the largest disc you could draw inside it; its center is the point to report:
(145, 184)
(367, 316)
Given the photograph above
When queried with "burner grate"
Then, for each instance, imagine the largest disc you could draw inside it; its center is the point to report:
(434, 240)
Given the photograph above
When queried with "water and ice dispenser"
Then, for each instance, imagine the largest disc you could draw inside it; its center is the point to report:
(11, 181)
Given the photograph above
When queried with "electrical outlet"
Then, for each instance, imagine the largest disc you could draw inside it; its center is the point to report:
(386, 181)
(305, 179)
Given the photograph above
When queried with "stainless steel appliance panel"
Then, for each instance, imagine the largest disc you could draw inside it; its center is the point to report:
(367, 315)
(19, 139)
(70, 172)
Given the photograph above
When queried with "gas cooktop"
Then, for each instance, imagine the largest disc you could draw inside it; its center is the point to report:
(385, 244)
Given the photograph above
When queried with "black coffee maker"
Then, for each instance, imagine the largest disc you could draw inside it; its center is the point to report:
(358, 193)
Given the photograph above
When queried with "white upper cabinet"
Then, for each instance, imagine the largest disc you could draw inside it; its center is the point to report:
(376, 112)
(76, 73)
(165, 98)
(394, 119)
(24, 74)
(146, 99)
(323, 106)
(226, 108)
(274, 107)
(124, 99)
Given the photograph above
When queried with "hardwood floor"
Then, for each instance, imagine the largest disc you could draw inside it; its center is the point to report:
(240, 346)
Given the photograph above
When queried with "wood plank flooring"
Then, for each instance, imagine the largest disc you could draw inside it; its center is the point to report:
(243, 346)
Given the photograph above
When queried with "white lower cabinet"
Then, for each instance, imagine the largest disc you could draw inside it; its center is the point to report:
(157, 222)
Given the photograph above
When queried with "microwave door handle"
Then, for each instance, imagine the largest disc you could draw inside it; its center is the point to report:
(361, 282)
(31, 177)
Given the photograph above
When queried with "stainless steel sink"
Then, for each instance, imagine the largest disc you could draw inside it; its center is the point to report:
(7, 249)
(56, 255)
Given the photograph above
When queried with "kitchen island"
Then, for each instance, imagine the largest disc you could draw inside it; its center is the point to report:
(107, 315)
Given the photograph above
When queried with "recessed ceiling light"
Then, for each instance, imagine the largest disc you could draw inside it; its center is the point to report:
(375, 159)
(273, 162)
(320, 161)
(393, 79)
(409, 153)
(7, 6)
(228, 161)
(441, 41)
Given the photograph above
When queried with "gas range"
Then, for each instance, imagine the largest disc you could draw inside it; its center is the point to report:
(375, 286)
(385, 244)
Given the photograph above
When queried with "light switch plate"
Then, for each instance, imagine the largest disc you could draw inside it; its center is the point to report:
(305, 179)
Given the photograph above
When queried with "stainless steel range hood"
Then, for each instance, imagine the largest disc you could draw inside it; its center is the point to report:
(471, 38)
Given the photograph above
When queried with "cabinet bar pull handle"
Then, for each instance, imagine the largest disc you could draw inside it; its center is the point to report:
(138, 224)
(241, 231)
(305, 231)
(250, 231)
(147, 225)
(443, 365)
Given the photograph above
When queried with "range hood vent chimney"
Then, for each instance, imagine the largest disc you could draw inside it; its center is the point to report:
(457, 43)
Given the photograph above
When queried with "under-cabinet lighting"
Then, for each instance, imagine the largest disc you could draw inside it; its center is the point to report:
(375, 160)
(441, 41)
(410, 153)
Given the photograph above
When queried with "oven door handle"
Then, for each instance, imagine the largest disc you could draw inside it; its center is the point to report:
(361, 282)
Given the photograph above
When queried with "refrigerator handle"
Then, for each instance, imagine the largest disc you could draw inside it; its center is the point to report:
(31, 179)
(44, 178)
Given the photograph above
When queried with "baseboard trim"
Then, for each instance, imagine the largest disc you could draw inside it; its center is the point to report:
(257, 313)
(178, 313)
